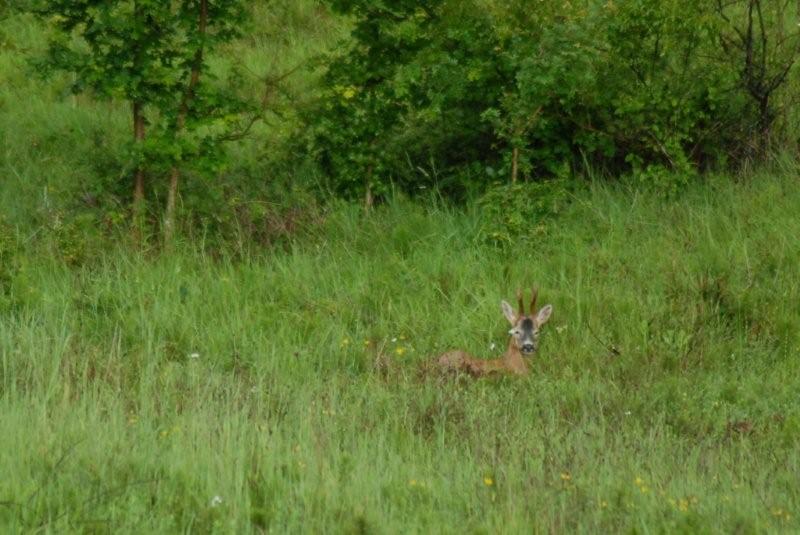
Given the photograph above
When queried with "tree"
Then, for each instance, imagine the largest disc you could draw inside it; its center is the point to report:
(762, 42)
(461, 94)
(151, 53)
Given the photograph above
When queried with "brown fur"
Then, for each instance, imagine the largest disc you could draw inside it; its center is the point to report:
(512, 362)
(460, 361)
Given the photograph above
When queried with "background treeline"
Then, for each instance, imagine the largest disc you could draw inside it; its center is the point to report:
(458, 94)
(243, 117)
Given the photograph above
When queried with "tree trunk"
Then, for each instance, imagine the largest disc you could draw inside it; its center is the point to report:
(169, 216)
(174, 174)
(764, 127)
(514, 164)
(138, 178)
(369, 200)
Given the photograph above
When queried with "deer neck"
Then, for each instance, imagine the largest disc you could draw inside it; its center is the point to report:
(513, 359)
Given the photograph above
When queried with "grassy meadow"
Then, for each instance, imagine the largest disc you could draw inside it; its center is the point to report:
(283, 389)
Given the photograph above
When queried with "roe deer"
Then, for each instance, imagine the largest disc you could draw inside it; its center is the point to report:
(524, 343)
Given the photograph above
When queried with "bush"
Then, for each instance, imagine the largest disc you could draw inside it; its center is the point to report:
(519, 212)
(434, 89)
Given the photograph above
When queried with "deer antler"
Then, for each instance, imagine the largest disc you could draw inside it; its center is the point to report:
(519, 300)
(534, 295)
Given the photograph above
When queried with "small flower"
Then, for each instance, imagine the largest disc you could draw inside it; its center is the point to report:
(683, 504)
(603, 504)
(194, 355)
(488, 481)
(349, 93)
(394, 339)
(566, 476)
(345, 342)
(492, 346)
(400, 351)
(367, 342)
(215, 501)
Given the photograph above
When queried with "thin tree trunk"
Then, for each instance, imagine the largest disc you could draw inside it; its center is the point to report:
(369, 200)
(764, 127)
(138, 179)
(174, 174)
(514, 164)
(169, 215)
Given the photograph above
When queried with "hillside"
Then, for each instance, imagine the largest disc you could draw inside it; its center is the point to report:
(272, 377)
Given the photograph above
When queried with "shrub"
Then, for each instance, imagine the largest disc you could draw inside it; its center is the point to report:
(521, 211)
(429, 90)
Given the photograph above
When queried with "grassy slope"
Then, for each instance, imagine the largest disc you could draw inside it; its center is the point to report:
(283, 417)
(109, 423)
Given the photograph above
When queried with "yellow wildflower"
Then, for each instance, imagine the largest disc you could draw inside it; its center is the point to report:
(488, 481)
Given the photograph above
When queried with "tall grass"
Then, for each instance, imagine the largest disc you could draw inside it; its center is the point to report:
(186, 392)
(282, 389)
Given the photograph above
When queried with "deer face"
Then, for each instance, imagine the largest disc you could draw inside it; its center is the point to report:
(525, 328)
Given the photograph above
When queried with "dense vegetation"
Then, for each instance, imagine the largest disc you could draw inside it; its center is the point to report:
(249, 357)
(456, 94)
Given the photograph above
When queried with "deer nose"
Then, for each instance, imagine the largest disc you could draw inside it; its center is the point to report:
(528, 347)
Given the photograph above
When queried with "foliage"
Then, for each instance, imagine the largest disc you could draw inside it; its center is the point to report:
(151, 54)
(272, 382)
(403, 103)
(430, 89)
(762, 41)
(514, 214)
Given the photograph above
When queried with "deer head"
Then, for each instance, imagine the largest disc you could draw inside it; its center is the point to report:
(525, 328)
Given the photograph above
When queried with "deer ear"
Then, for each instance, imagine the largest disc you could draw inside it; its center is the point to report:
(508, 312)
(544, 314)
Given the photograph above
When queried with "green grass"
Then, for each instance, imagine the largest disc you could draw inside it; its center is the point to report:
(109, 423)
(210, 392)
